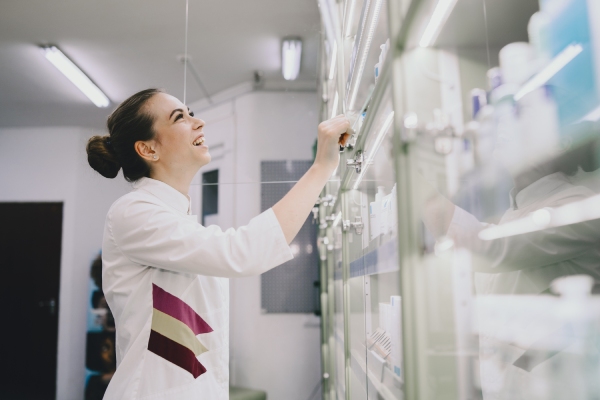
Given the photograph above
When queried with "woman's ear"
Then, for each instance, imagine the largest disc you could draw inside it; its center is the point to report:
(146, 150)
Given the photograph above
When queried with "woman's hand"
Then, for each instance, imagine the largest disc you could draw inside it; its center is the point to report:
(295, 207)
(332, 135)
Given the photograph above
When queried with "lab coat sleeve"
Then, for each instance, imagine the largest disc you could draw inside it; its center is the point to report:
(525, 251)
(152, 236)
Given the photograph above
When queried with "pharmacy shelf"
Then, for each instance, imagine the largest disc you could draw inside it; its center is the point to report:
(376, 97)
(381, 260)
(383, 390)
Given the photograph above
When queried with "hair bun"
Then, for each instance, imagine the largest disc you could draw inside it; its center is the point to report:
(102, 157)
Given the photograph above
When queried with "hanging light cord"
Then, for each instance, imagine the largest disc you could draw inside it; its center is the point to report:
(185, 52)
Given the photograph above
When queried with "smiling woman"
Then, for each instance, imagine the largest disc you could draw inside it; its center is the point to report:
(163, 272)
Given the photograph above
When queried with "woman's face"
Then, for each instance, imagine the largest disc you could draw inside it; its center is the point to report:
(179, 142)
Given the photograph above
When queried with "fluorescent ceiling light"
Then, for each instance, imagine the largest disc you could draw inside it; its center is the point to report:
(438, 19)
(291, 51)
(557, 63)
(373, 151)
(75, 75)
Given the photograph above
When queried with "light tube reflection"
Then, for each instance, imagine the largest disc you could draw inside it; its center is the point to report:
(576, 212)
(363, 56)
(557, 63)
(337, 219)
(438, 19)
(373, 150)
(333, 59)
(335, 105)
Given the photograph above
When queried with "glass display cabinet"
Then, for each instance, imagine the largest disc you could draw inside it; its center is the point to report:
(460, 235)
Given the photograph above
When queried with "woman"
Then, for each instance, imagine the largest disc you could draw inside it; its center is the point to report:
(163, 272)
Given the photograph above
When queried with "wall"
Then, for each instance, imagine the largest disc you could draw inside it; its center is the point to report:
(49, 164)
(278, 353)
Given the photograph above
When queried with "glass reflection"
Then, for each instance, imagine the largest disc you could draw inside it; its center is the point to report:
(506, 186)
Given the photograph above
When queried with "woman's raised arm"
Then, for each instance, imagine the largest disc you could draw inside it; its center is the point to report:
(294, 208)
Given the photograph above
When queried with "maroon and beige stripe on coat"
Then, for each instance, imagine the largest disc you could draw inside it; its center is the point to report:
(174, 328)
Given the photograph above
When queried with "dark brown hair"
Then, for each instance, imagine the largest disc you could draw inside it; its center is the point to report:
(128, 124)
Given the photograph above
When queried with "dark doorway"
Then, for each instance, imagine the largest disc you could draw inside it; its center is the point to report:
(210, 194)
(30, 246)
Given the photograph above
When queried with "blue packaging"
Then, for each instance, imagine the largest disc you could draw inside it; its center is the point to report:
(575, 87)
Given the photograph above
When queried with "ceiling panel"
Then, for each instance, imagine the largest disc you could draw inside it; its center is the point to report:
(125, 46)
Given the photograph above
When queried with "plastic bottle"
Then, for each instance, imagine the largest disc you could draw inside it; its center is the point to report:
(537, 29)
(375, 213)
(385, 214)
(384, 49)
(396, 335)
(517, 63)
(538, 113)
(394, 211)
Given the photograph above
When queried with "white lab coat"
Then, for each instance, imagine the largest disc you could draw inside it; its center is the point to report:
(521, 265)
(152, 243)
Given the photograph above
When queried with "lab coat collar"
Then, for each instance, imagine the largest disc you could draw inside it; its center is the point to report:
(166, 193)
(538, 190)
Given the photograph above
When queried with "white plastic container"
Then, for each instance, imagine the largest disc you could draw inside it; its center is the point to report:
(375, 213)
(517, 62)
(384, 49)
(396, 335)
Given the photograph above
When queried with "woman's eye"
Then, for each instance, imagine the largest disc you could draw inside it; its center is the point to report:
(191, 113)
(178, 117)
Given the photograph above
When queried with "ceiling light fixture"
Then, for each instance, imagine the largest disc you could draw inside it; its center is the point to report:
(438, 19)
(75, 75)
(291, 52)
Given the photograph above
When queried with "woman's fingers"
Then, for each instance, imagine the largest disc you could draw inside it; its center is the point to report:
(343, 139)
(335, 126)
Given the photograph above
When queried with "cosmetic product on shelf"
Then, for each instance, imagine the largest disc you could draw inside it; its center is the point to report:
(385, 311)
(478, 101)
(384, 49)
(396, 335)
(573, 41)
(385, 214)
(375, 213)
(494, 77)
(537, 30)
(394, 211)
(516, 63)
(364, 214)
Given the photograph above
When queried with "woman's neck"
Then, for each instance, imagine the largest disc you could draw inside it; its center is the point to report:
(179, 181)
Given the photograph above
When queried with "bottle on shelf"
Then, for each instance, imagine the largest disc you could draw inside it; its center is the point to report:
(375, 213)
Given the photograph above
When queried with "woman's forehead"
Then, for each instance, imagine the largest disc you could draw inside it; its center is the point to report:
(163, 104)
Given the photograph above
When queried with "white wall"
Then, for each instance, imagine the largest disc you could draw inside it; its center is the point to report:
(49, 164)
(278, 353)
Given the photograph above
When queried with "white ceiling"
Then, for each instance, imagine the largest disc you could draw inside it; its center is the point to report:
(129, 45)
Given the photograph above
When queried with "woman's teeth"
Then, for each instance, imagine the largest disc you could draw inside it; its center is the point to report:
(198, 142)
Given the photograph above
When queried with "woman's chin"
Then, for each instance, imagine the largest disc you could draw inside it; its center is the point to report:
(206, 158)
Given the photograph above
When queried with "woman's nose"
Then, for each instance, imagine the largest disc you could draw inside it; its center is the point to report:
(199, 123)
